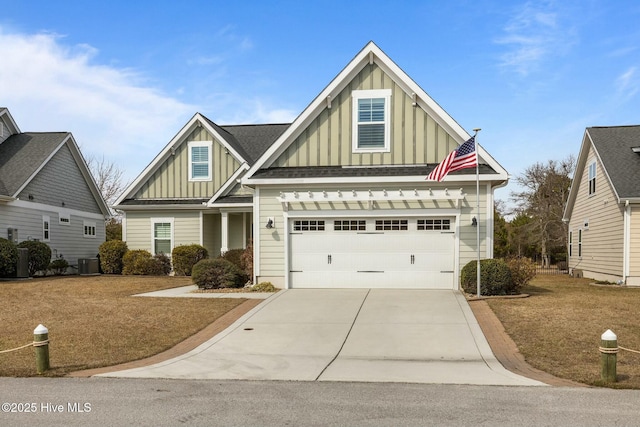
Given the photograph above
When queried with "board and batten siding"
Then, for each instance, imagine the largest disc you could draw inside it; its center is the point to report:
(171, 179)
(186, 231)
(603, 238)
(60, 183)
(271, 247)
(416, 138)
(66, 240)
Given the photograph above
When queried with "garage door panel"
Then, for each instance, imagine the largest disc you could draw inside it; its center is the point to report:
(399, 258)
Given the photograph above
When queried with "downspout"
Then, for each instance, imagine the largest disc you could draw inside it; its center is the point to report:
(626, 243)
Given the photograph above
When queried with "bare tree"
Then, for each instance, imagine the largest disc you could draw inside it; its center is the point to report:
(545, 188)
(110, 180)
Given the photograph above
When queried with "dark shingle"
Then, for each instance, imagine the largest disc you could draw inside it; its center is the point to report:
(22, 154)
(349, 172)
(614, 146)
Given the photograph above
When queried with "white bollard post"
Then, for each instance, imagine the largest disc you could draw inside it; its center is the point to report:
(609, 351)
(41, 344)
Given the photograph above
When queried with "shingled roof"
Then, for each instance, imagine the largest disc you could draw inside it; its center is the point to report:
(614, 145)
(21, 155)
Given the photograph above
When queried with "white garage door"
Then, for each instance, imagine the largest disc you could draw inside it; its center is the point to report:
(372, 253)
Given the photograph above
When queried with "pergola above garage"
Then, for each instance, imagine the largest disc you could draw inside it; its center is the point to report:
(370, 196)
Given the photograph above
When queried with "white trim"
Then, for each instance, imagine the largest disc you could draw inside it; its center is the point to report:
(489, 222)
(423, 100)
(92, 227)
(195, 121)
(201, 227)
(46, 230)
(224, 231)
(256, 234)
(159, 220)
(12, 125)
(234, 179)
(64, 218)
(626, 246)
(42, 165)
(199, 144)
(357, 95)
(124, 227)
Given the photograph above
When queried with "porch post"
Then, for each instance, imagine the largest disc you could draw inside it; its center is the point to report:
(224, 225)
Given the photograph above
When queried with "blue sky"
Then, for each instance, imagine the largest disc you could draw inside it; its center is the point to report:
(125, 76)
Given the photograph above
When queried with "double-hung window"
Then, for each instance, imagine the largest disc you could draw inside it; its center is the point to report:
(162, 235)
(46, 228)
(371, 122)
(592, 178)
(200, 160)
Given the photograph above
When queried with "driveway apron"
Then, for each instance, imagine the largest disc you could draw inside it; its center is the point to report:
(421, 336)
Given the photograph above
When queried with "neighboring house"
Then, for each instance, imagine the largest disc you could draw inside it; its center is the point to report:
(603, 209)
(47, 192)
(338, 198)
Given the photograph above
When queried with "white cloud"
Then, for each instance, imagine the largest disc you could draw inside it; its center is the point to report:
(49, 86)
(533, 35)
(628, 83)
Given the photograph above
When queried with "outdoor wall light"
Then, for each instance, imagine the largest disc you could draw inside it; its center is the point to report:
(474, 222)
(270, 223)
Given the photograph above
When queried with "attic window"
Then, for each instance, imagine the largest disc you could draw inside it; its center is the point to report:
(200, 160)
(371, 123)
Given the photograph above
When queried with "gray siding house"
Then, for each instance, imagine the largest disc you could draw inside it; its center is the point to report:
(603, 209)
(336, 199)
(47, 192)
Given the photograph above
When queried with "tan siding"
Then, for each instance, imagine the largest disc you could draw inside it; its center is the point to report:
(602, 242)
(171, 179)
(415, 137)
(186, 228)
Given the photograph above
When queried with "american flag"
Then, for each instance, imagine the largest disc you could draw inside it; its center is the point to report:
(464, 157)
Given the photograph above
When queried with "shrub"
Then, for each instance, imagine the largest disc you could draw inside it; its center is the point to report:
(164, 262)
(39, 255)
(264, 287)
(140, 262)
(111, 253)
(495, 278)
(184, 257)
(216, 273)
(522, 271)
(58, 266)
(235, 256)
(247, 260)
(8, 258)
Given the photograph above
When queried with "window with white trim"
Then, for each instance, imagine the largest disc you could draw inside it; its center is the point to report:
(200, 159)
(592, 178)
(570, 243)
(46, 228)
(89, 228)
(64, 218)
(579, 243)
(162, 235)
(371, 120)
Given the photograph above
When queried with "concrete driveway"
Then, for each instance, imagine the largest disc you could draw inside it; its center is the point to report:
(418, 336)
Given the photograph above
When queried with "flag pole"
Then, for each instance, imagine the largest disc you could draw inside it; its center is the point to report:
(475, 136)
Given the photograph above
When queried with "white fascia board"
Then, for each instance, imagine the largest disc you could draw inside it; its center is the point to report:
(155, 163)
(310, 113)
(423, 100)
(223, 141)
(6, 116)
(381, 181)
(229, 184)
(88, 176)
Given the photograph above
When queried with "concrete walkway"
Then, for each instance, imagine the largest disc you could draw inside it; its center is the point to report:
(418, 336)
